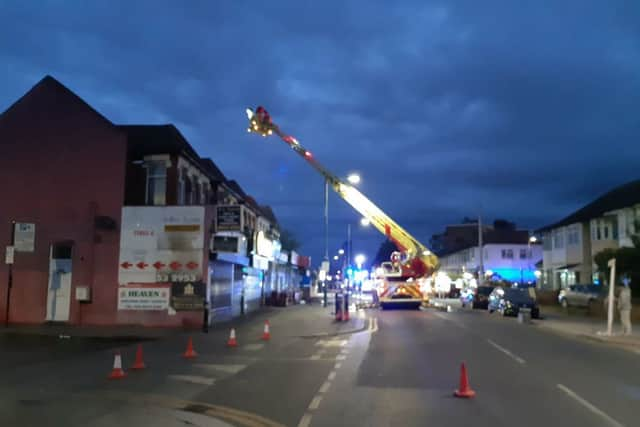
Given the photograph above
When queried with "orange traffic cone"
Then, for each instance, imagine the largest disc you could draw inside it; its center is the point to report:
(139, 363)
(190, 353)
(117, 372)
(465, 389)
(231, 342)
(266, 335)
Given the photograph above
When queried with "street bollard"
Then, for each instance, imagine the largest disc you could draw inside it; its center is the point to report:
(524, 315)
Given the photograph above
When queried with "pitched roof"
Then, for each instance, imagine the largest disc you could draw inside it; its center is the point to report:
(50, 84)
(235, 187)
(158, 138)
(213, 169)
(268, 213)
(620, 197)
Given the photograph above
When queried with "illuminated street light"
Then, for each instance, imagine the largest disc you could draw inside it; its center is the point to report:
(533, 239)
(365, 222)
(335, 257)
(359, 259)
(354, 178)
(341, 251)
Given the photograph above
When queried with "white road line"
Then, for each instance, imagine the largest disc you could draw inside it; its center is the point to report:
(341, 357)
(315, 357)
(375, 325)
(589, 406)
(370, 324)
(305, 421)
(315, 403)
(338, 365)
(194, 379)
(325, 387)
(332, 375)
(507, 352)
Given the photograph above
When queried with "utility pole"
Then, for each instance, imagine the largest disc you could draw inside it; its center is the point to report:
(348, 247)
(481, 252)
(10, 278)
(326, 238)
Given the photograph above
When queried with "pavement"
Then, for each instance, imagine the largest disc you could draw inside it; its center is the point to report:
(382, 368)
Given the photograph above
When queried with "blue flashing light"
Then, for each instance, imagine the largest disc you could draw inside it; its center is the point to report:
(515, 274)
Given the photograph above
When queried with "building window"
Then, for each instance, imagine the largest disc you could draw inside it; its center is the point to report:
(182, 186)
(598, 235)
(523, 254)
(507, 254)
(606, 232)
(558, 239)
(573, 236)
(197, 194)
(188, 190)
(156, 183)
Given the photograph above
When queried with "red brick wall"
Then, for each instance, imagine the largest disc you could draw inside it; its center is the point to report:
(61, 164)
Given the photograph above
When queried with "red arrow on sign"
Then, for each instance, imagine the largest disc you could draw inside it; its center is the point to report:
(126, 265)
(141, 265)
(175, 265)
(158, 265)
(191, 265)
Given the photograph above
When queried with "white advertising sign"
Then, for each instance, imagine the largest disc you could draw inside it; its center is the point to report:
(143, 297)
(159, 243)
(8, 255)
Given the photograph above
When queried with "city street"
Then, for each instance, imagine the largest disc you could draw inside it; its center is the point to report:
(381, 368)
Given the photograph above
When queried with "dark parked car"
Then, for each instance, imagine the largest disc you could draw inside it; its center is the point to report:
(509, 301)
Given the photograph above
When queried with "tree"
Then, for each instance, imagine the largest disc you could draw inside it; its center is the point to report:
(384, 252)
(288, 241)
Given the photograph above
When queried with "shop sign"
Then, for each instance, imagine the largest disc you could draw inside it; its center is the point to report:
(229, 218)
(188, 296)
(141, 296)
(264, 246)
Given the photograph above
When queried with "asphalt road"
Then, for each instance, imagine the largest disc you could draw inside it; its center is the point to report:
(399, 369)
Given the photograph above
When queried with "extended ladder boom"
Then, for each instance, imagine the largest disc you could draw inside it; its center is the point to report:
(260, 122)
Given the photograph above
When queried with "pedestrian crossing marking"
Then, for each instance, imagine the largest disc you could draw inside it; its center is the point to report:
(194, 379)
(228, 369)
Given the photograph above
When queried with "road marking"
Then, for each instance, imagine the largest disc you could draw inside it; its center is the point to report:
(341, 357)
(325, 387)
(344, 351)
(507, 352)
(253, 347)
(315, 403)
(229, 369)
(332, 343)
(589, 406)
(195, 379)
(375, 325)
(332, 375)
(338, 365)
(305, 421)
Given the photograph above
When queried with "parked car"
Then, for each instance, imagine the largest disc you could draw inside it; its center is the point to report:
(509, 301)
(476, 297)
(579, 295)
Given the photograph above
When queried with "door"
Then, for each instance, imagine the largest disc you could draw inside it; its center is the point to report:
(59, 289)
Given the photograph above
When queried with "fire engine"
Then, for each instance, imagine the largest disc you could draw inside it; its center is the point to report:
(402, 277)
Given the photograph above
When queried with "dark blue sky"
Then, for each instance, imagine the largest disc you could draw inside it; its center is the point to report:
(526, 108)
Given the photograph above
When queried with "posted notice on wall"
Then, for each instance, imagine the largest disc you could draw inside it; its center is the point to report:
(143, 296)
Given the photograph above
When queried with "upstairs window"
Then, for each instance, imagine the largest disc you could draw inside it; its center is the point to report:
(156, 184)
(507, 254)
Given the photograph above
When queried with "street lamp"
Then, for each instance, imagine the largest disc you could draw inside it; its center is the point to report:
(365, 222)
(359, 259)
(341, 251)
(354, 178)
(335, 257)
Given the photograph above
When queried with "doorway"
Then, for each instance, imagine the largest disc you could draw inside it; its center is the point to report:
(59, 288)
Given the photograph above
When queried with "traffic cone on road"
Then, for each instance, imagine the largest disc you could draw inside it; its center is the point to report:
(231, 342)
(117, 372)
(465, 389)
(190, 353)
(266, 335)
(139, 363)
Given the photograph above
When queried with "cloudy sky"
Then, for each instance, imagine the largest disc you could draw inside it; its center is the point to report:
(525, 110)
